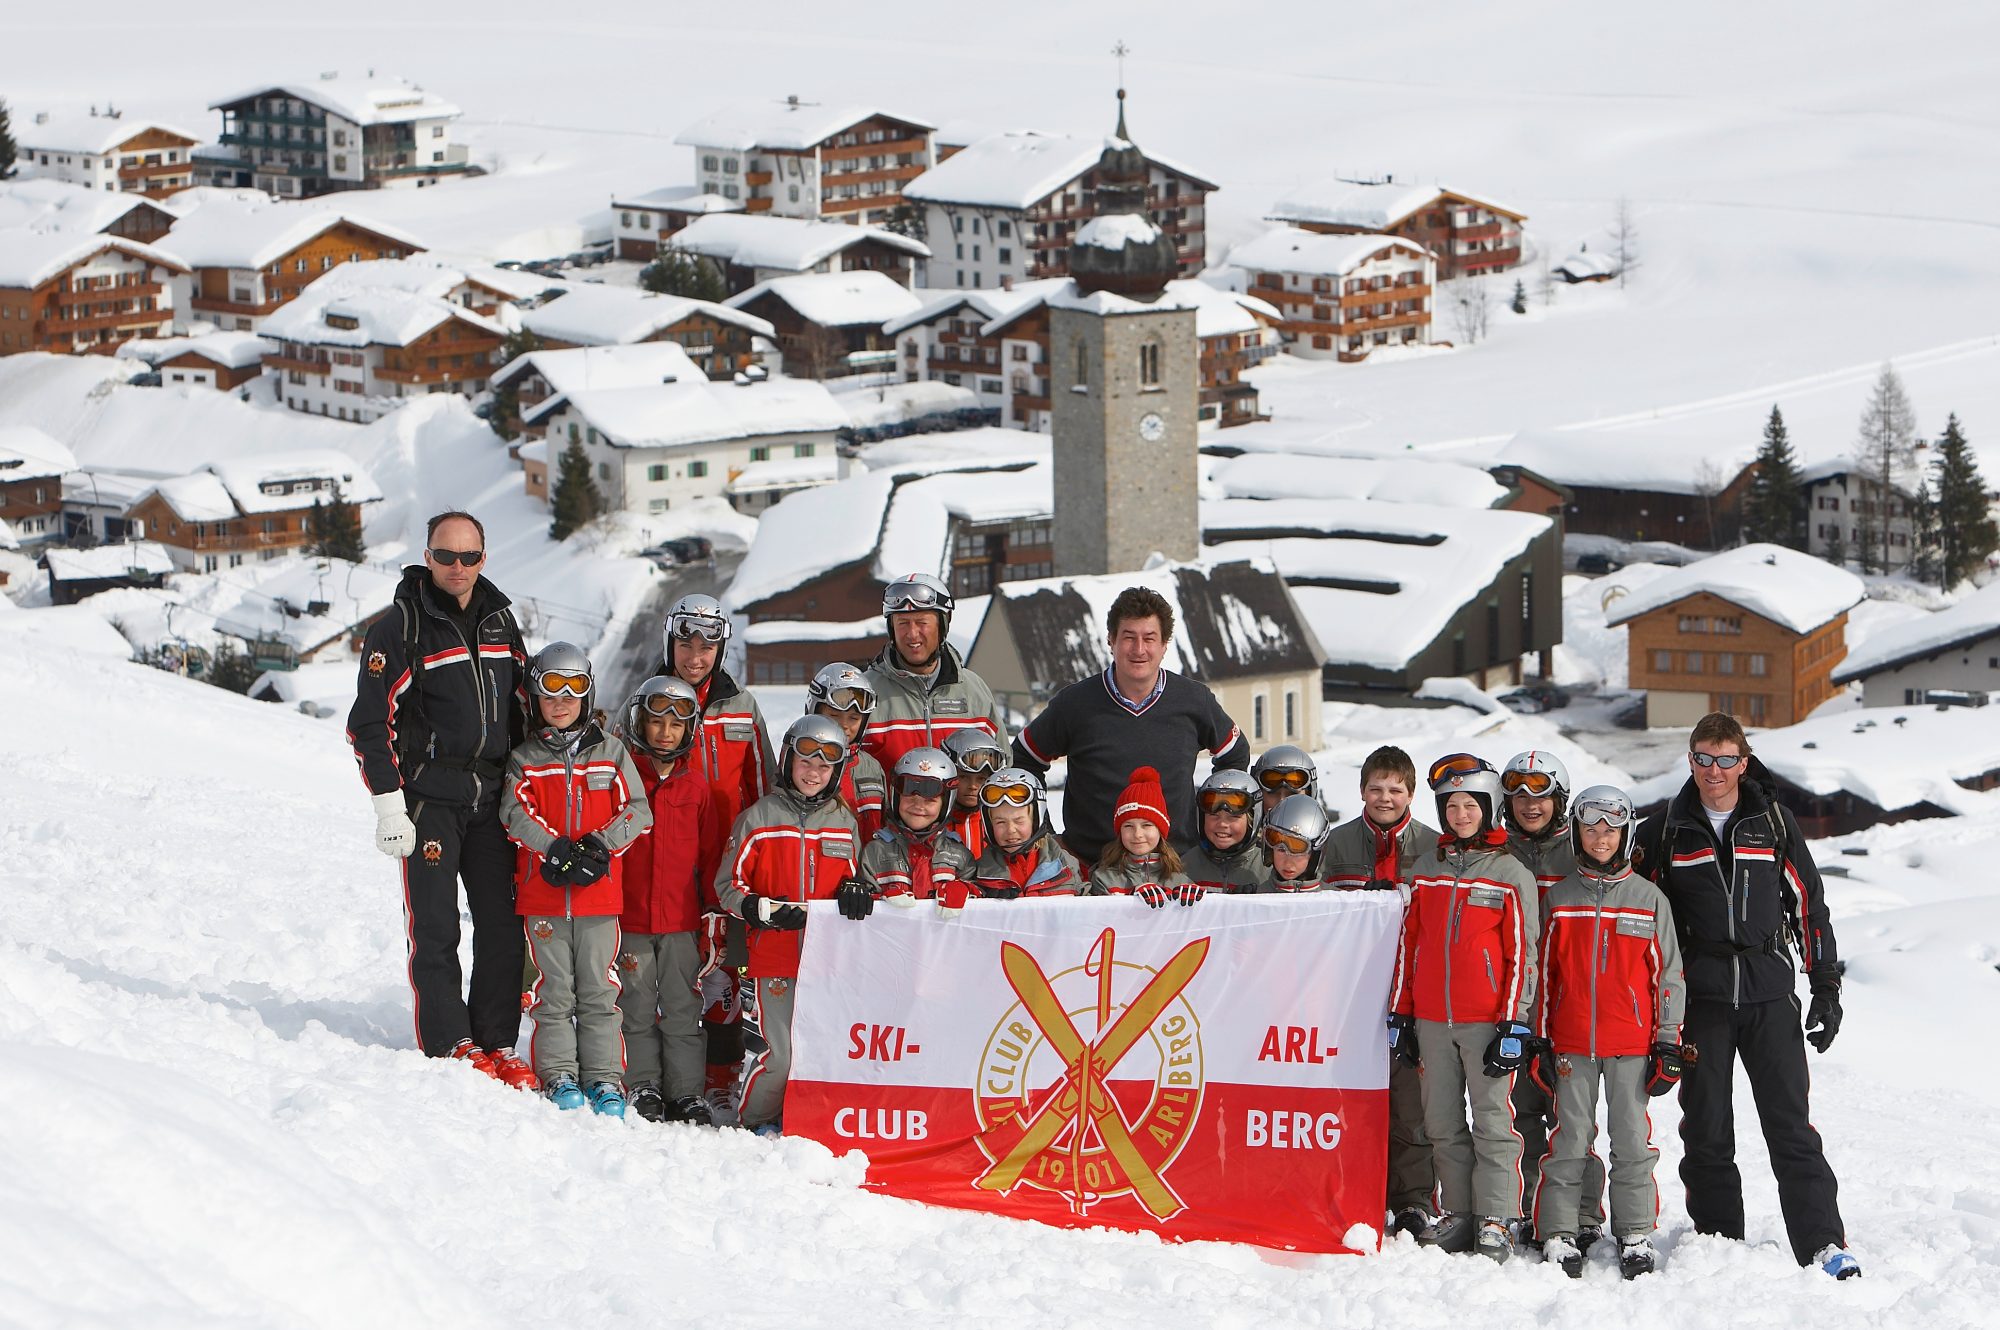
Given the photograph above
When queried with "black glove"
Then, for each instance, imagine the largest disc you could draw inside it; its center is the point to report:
(559, 863)
(1510, 1046)
(1403, 1039)
(1381, 884)
(1823, 1016)
(591, 862)
(993, 893)
(1543, 1069)
(1663, 1069)
(856, 900)
(764, 912)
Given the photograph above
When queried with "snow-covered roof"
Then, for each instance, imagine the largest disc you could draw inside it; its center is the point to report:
(1387, 479)
(231, 234)
(772, 631)
(692, 410)
(1792, 590)
(1017, 170)
(1288, 249)
(986, 304)
(632, 365)
(1232, 619)
(836, 299)
(1220, 313)
(590, 314)
(1070, 296)
(1972, 619)
(1584, 265)
(273, 605)
(58, 205)
(231, 350)
(1370, 207)
(74, 131)
(916, 535)
(108, 562)
(1116, 230)
(983, 449)
(27, 453)
(809, 534)
(101, 487)
(29, 258)
(365, 101)
(895, 403)
(379, 316)
(270, 482)
(199, 497)
(788, 124)
(792, 244)
(1402, 569)
(677, 198)
(783, 473)
(1610, 459)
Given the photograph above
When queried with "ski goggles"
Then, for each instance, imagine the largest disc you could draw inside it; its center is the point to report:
(915, 597)
(704, 626)
(1012, 795)
(1293, 779)
(849, 699)
(1723, 760)
(557, 683)
(1290, 842)
(1537, 783)
(1456, 764)
(1596, 814)
(978, 762)
(666, 704)
(470, 558)
(820, 750)
(1237, 803)
(926, 787)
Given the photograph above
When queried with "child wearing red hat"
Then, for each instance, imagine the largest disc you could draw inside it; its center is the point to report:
(1140, 862)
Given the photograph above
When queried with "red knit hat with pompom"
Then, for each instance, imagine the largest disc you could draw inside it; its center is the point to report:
(1143, 799)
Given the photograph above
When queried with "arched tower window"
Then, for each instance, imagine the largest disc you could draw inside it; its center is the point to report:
(1149, 365)
(1082, 363)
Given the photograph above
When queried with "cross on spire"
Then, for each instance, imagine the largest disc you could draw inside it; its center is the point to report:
(1121, 50)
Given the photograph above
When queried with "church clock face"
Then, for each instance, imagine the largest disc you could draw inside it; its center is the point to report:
(1152, 428)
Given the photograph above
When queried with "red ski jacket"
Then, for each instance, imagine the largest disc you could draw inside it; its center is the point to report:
(559, 785)
(1468, 950)
(1611, 967)
(788, 850)
(670, 871)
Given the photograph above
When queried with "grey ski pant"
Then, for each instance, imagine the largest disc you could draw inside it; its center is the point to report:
(764, 1092)
(1478, 1168)
(1412, 1177)
(1635, 1199)
(1532, 1111)
(575, 1007)
(658, 978)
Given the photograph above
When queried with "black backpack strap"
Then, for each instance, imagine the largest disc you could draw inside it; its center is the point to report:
(413, 736)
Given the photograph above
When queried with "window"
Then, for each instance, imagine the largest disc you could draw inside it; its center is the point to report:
(1006, 230)
(708, 163)
(1082, 367)
(1694, 662)
(802, 450)
(696, 470)
(1149, 365)
(1291, 712)
(656, 473)
(761, 453)
(1663, 662)
(437, 131)
(1756, 708)
(729, 166)
(1725, 662)
(604, 470)
(1257, 716)
(1760, 665)
(1006, 254)
(793, 192)
(729, 191)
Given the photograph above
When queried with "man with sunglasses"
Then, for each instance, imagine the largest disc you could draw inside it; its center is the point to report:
(1745, 893)
(436, 711)
(1135, 714)
(924, 694)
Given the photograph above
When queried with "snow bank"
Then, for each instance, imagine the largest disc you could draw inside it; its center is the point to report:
(1919, 634)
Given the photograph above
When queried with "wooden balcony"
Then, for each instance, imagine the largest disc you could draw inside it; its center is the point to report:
(62, 325)
(1483, 231)
(1361, 327)
(1491, 258)
(303, 364)
(899, 174)
(756, 178)
(942, 366)
(1383, 294)
(886, 148)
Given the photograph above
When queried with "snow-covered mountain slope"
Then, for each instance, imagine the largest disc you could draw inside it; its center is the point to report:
(215, 1114)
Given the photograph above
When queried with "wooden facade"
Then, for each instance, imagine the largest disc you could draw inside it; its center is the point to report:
(1703, 653)
(820, 351)
(1176, 202)
(220, 376)
(1468, 236)
(92, 305)
(718, 348)
(156, 163)
(32, 507)
(1627, 512)
(208, 545)
(234, 296)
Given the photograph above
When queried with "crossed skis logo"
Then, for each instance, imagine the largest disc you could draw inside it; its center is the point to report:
(1050, 1115)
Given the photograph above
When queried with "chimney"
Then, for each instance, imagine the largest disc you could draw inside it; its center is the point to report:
(792, 100)
(41, 117)
(1006, 282)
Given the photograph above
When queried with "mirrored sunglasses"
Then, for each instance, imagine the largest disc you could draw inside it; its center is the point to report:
(915, 597)
(1236, 802)
(470, 558)
(1537, 783)
(1723, 760)
(978, 762)
(554, 683)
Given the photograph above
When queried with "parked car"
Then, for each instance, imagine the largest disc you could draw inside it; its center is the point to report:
(1523, 701)
(684, 549)
(1548, 694)
(1596, 563)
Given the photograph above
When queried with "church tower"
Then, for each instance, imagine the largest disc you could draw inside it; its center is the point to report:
(1123, 384)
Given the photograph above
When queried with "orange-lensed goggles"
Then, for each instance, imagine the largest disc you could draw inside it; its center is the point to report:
(1457, 764)
(1279, 839)
(666, 704)
(1012, 795)
(1237, 802)
(555, 683)
(820, 749)
(1292, 779)
(1537, 783)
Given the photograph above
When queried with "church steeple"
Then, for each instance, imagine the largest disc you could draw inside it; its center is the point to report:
(1120, 249)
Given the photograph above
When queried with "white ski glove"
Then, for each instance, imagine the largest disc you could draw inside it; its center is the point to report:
(395, 834)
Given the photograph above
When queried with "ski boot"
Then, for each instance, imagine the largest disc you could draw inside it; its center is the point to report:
(1635, 1256)
(691, 1108)
(1561, 1251)
(565, 1093)
(1413, 1220)
(1452, 1233)
(508, 1069)
(1494, 1241)
(606, 1099)
(648, 1103)
(1837, 1262)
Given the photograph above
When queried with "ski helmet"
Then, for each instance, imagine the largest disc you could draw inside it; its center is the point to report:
(1014, 787)
(562, 669)
(694, 615)
(817, 737)
(1297, 825)
(841, 687)
(1230, 790)
(922, 771)
(663, 695)
(1483, 784)
(1541, 774)
(1602, 805)
(974, 752)
(918, 591)
(1286, 769)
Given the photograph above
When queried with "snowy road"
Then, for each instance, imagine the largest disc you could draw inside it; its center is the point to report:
(216, 1117)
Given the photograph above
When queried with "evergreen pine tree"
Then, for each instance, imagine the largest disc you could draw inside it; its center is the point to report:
(1924, 532)
(1966, 531)
(577, 500)
(674, 272)
(232, 668)
(336, 529)
(505, 417)
(8, 150)
(1520, 302)
(1775, 509)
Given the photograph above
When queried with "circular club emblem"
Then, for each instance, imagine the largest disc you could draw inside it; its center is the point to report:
(1091, 1083)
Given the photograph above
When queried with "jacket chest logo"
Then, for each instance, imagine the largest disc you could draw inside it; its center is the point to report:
(599, 780)
(950, 706)
(739, 731)
(1486, 898)
(1630, 925)
(836, 849)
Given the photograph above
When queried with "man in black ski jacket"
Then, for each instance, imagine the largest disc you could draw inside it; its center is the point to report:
(1746, 898)
(437, 710)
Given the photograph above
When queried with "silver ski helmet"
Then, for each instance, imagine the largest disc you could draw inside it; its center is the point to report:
(1482, 783)
(1014, 787)
(1298, 825)
(841, 687)
(562, 669)
(818, 737)
(974, 752)
(1602, 805)
(1230, 790)
(662, 695)
(928, 772)
(919, 591)
(1541, 774)
(1286, 769)
(694, 615)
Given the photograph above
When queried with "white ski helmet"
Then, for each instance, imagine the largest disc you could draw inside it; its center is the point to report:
(1014, 787)
(841, 687)
(694, 615)
(918, 591)
(1230, 789)
(1541, 774)
(1482, 783)
(563, 668)
(819, 737)
(1298, 824)
(663, 695)
(1602, 805)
